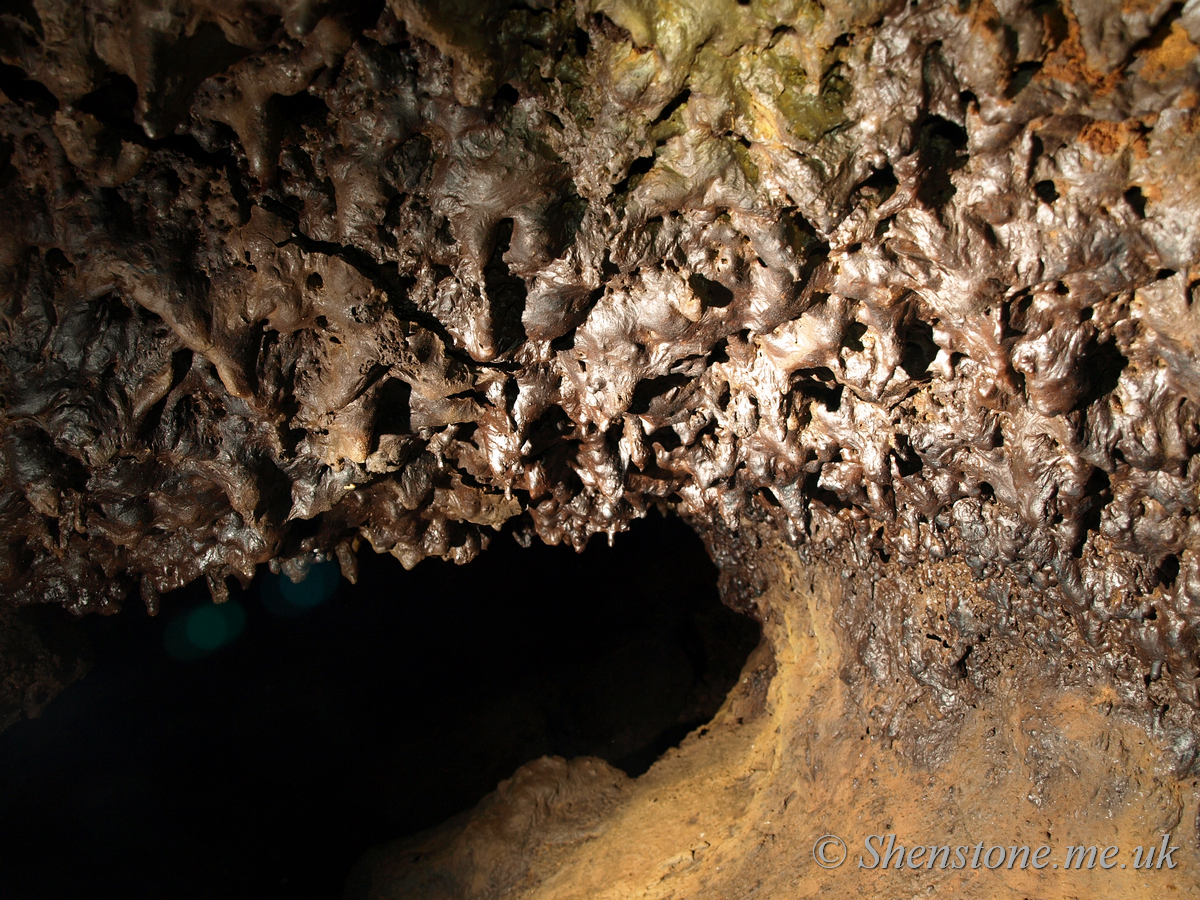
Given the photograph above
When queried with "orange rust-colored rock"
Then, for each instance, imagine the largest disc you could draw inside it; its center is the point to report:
(800, 752)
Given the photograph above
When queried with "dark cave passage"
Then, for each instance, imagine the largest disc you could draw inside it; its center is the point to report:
(266, 767)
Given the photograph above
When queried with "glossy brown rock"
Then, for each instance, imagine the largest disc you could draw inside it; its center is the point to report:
(907, 288)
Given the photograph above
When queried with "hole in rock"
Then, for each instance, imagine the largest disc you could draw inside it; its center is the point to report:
(908, 462)
(506, 292)
(638, 169)
(664, 388)
(1137, 201)
(942, 149)
(19, 87)
(1046, 191)
(881, 184)
(1020, 78)
(920, 350)
(582, 42)
(1168, 571)
(853, 337)
(113, 101)
(1105, 364)
(671, 108)
(507, 95)
(823, 387)
(258, 748)
(711, 293)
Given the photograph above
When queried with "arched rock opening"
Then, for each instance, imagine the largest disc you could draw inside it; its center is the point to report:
(269, 755)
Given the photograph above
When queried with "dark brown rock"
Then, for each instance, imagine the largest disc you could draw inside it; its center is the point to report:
(893, 283)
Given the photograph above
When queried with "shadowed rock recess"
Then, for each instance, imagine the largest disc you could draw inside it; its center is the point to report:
(893, 302)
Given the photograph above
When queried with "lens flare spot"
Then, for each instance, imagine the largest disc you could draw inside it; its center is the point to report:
(204, 630)
(285, 598)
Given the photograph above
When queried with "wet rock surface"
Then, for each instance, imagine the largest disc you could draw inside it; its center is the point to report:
(913, 278)
(908, 287)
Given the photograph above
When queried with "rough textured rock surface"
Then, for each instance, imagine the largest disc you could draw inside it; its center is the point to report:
(891, 283)
(795, 754)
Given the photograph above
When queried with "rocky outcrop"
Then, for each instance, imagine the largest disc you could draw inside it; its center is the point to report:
(906, 287)
(796, 755)
(800, 753)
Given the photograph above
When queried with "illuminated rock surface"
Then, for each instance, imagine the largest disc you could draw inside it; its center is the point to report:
(892, 302)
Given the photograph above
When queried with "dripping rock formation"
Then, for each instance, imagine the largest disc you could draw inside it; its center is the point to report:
(893, 301)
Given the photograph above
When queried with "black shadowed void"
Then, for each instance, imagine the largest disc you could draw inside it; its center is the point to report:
(258, 748)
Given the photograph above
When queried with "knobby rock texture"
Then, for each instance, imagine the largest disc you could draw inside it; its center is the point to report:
(905, 287)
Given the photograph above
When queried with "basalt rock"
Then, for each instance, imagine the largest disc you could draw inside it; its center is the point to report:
(906, 287)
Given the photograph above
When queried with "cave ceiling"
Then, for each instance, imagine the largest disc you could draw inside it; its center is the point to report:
(284, 282)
